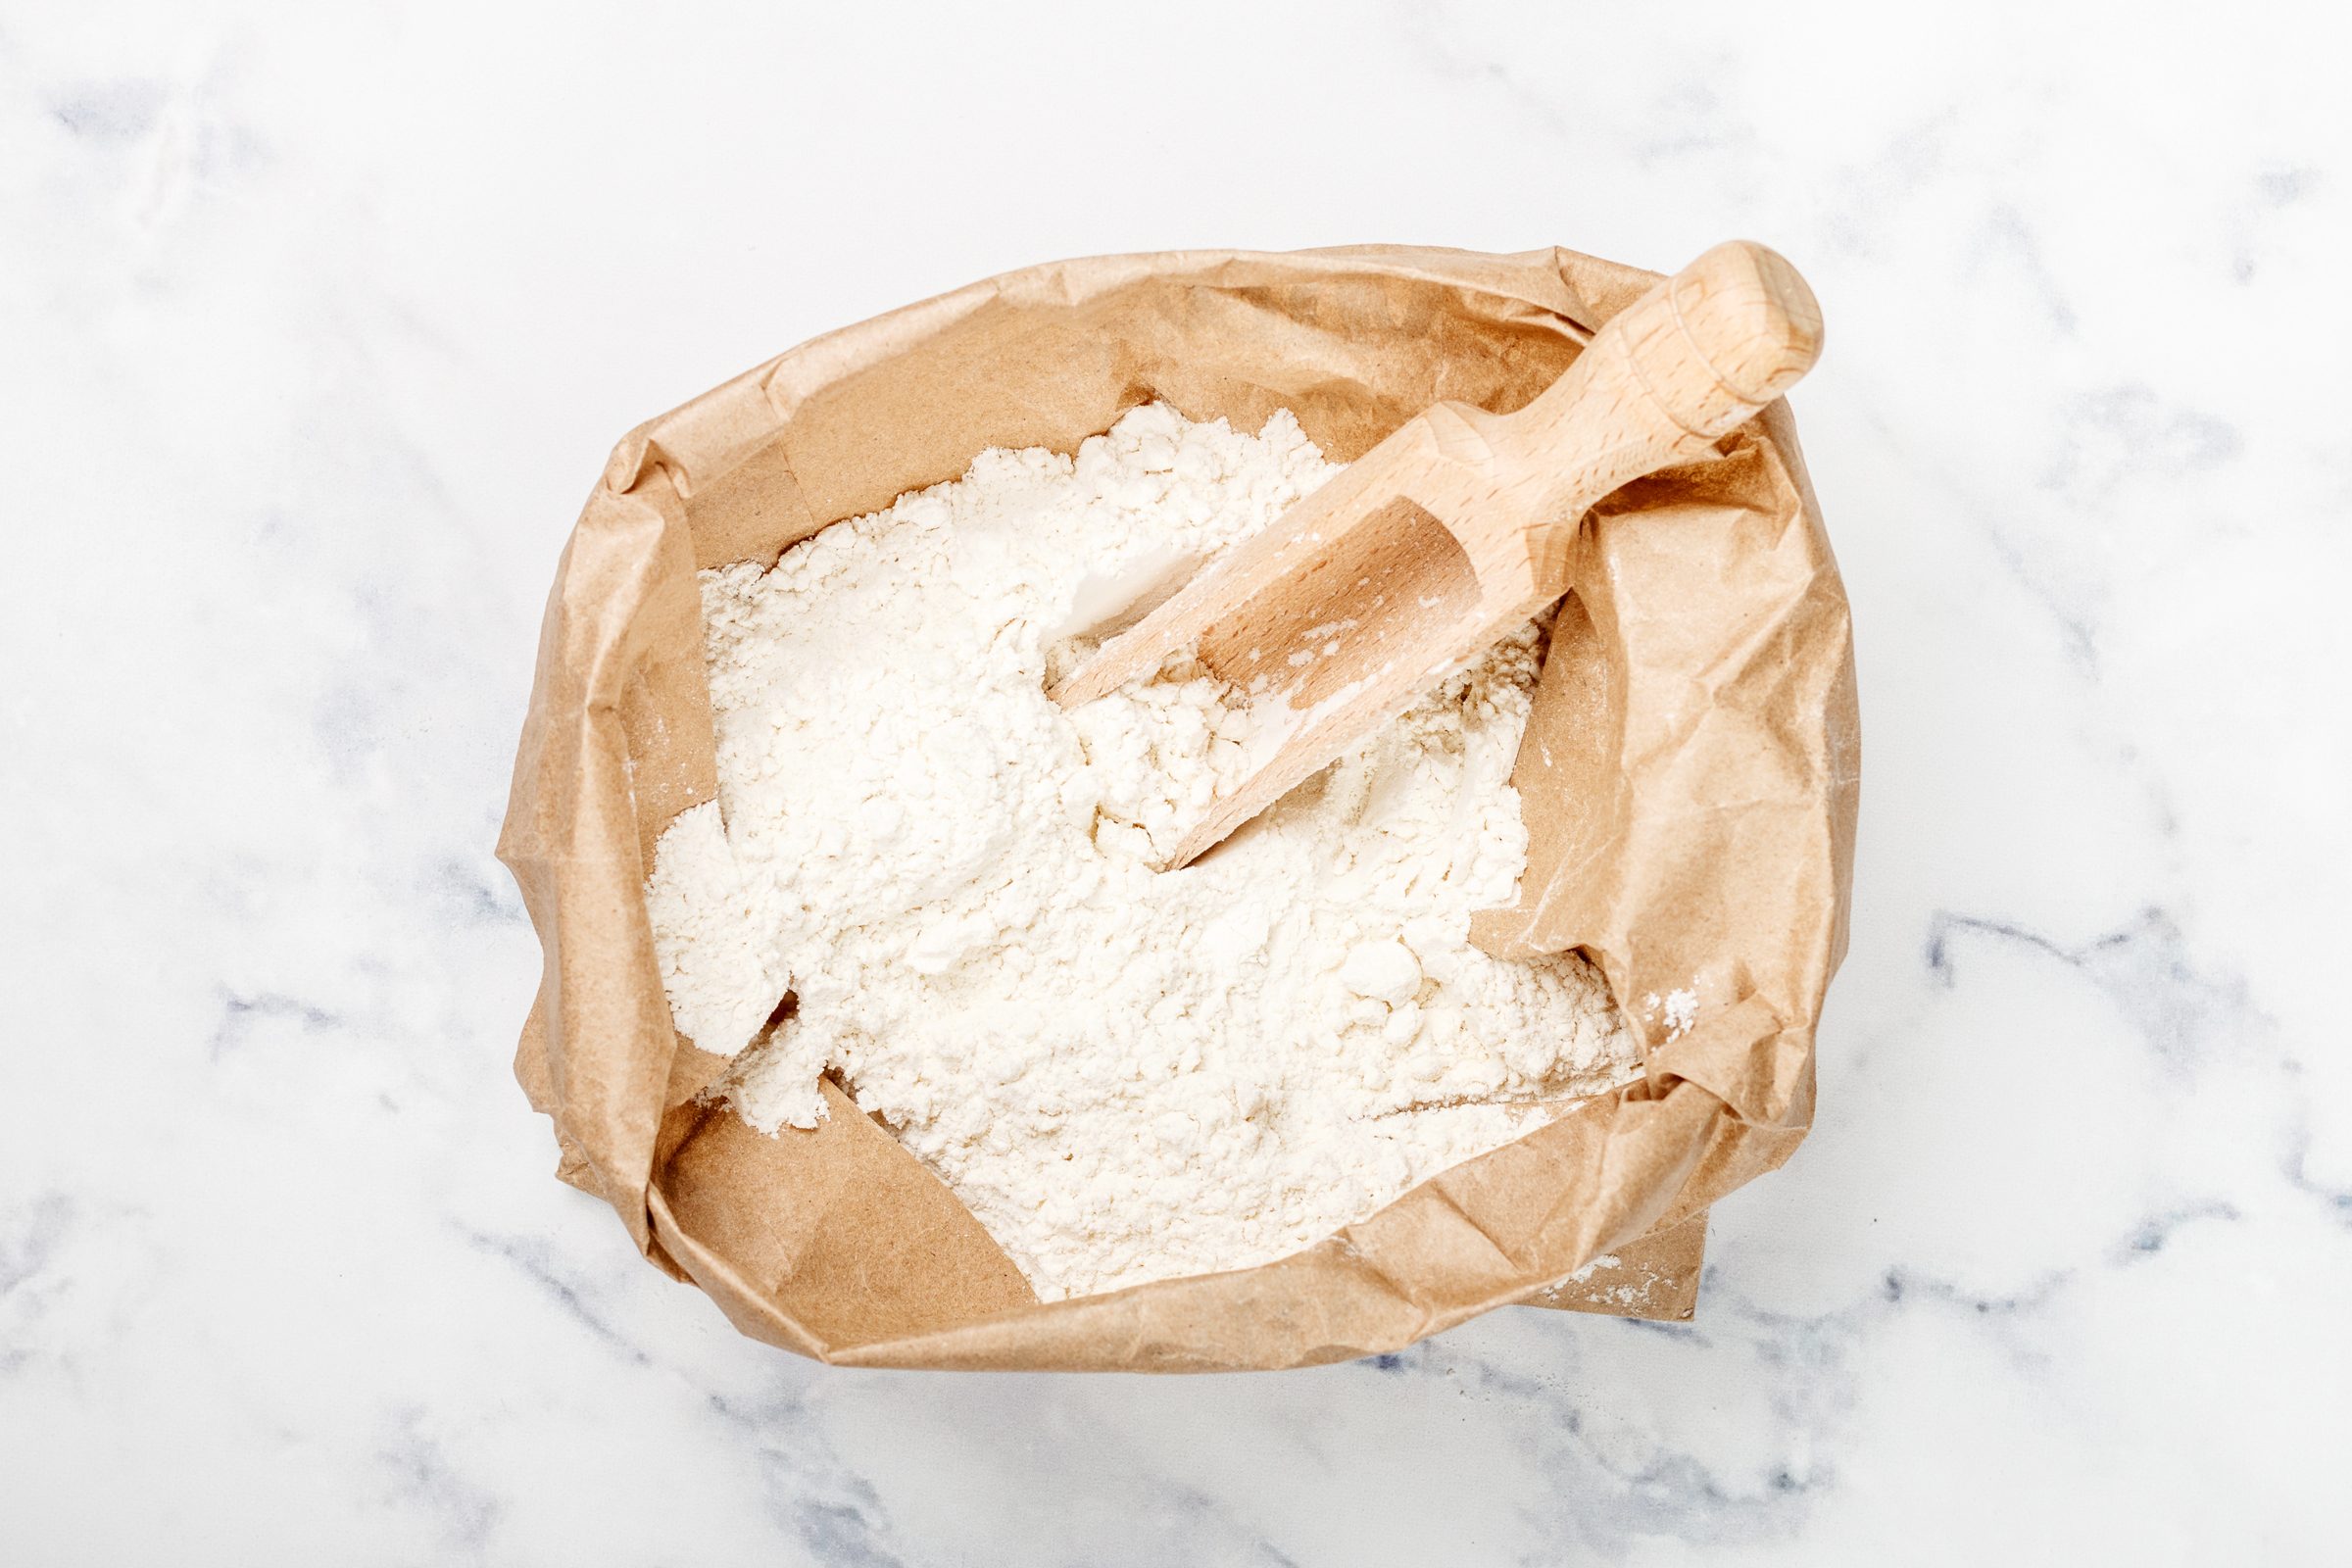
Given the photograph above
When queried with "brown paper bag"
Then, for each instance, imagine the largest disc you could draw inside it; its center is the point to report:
(1690, 778)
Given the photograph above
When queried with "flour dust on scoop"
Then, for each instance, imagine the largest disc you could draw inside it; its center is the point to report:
(1125, 1074)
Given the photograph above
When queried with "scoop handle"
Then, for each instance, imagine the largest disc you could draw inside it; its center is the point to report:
(1692, 358)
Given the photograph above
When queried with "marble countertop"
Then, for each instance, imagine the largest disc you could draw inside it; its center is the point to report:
(319, 323)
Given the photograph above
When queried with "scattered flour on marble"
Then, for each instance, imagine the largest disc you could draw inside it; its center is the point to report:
(1125, 1074)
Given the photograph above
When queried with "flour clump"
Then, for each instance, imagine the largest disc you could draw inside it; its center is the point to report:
(1125, 1074)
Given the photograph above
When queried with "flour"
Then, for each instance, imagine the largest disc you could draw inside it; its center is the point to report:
(1679, 1009)
(1125, 1074)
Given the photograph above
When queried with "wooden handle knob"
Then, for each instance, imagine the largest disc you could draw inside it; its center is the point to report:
(1723, 337)
(1692, 359)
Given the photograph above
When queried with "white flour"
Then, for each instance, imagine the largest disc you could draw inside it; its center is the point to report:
(1125, 1074)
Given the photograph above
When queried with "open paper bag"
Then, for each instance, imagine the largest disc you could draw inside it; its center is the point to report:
(1688, 778)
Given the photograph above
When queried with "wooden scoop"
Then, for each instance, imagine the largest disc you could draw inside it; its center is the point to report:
(1456, 528)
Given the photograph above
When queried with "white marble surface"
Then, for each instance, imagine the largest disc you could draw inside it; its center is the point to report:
(318, 322)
